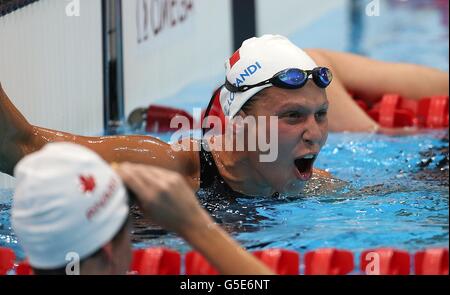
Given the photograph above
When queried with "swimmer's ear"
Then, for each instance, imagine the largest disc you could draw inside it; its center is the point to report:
(241, 113)
(108, 250)
(107, 253)
(236, 124)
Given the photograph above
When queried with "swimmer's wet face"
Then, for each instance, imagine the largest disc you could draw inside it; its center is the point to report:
(302, 132)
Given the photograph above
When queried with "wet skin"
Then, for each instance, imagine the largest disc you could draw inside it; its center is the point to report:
(20, 138)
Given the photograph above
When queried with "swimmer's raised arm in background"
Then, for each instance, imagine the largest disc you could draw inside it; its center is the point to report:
(166, 199)
(19, 138)
(369, 80)
(15, 134)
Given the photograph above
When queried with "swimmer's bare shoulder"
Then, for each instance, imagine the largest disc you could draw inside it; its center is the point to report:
(189, 155)
(321, 173)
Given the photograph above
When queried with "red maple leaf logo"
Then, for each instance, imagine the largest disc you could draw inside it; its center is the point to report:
(87, 183)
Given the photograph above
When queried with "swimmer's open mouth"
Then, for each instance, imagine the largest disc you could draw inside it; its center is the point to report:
(305, 166)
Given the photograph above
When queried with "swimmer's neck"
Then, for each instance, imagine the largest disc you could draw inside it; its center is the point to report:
(235, 169)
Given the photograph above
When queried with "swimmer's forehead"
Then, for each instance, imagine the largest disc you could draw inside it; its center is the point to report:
(298, 105)
(286, 99)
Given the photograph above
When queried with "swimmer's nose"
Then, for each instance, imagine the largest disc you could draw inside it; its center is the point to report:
(312, 133)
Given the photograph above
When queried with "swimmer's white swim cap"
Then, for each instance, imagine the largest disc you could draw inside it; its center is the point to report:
(67, 199)
(257, 60)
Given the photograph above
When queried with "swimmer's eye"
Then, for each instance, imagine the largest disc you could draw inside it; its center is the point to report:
(292, 115)
(322, 114)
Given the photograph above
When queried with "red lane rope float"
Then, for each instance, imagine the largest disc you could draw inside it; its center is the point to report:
(385, 261)
(196, 264)
(159, 118)
(156, 261)
(7, 258)
(382, 261)
(438, 112)
(394, 111)
(390, 115)
(24, 269)
(431, 262)
(329, 262)
(362, 104)
(282, 262)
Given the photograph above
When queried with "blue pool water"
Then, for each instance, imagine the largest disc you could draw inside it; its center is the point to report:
(385, 201)
(382, 196)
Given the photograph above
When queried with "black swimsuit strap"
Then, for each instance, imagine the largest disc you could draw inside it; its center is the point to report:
(209, 174)
(211, 180)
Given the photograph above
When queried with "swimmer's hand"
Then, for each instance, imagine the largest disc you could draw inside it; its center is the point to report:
(321, 173)
(167, 200)
(164, 196)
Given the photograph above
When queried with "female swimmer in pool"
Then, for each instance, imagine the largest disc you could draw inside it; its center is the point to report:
(298, 99)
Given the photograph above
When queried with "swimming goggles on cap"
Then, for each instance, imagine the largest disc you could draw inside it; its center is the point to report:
(290, 79)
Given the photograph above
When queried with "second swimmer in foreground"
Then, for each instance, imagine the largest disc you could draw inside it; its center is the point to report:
(69, 201)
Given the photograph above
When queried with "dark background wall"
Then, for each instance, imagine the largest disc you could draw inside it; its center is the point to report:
(8, 6)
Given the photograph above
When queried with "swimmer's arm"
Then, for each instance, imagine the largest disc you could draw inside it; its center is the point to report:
(15, 134)
(370, 79)
(321, 173)
(19, 138)
(137, 149)
(227, 256)
(341, 103)
(367, 79)
(166, 199)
